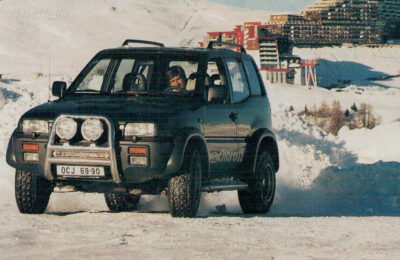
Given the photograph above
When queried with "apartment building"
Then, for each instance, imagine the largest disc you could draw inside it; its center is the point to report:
(334, 22)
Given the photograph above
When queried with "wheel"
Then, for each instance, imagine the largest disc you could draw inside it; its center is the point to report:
(184, 190)
(121, 201)
(32, 192)
(258, 197)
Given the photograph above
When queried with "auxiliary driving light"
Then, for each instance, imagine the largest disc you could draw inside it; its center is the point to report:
(92, 129)
(66, 128)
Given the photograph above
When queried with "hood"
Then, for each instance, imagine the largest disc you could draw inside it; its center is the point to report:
(122, 108)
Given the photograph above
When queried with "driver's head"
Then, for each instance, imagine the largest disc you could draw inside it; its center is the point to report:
(176, 77)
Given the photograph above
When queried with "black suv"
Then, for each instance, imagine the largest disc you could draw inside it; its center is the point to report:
(123, 128)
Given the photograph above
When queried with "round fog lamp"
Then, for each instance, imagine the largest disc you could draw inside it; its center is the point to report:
(66, 128)
(92, 129)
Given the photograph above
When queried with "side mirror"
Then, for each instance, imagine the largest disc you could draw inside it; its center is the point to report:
(59, 88)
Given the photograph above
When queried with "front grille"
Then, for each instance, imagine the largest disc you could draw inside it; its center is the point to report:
(89, 155)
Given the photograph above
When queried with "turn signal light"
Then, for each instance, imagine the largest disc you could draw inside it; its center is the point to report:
(30, 147)
(138, 150)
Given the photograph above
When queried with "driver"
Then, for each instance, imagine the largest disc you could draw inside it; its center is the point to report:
(176, 78)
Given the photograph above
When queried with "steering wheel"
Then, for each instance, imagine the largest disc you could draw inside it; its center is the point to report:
(175, 89)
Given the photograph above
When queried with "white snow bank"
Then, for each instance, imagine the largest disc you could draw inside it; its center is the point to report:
(361, 190)
(381, 142)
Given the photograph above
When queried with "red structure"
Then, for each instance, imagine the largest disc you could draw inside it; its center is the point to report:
(246, 35)
(310, 72)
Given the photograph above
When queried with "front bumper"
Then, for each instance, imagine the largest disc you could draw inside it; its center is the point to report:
(162, 161)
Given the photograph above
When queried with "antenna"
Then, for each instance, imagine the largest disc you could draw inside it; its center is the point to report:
(49, 87)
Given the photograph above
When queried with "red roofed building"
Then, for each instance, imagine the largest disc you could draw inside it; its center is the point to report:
(272, 52)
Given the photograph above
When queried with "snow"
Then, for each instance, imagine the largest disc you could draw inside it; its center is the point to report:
(336, 196)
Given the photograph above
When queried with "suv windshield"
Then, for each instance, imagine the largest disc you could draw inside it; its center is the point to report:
(137, 75)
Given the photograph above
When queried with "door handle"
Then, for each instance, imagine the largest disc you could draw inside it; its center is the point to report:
(233, 116)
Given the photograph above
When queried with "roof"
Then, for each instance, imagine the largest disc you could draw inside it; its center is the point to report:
(190, 51)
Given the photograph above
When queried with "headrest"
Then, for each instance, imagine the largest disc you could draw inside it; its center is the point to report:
(217, 94)
(134, 82)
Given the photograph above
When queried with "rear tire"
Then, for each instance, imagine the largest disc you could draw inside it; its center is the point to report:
(121, 201)
(184, 190)
(258, 197)
(32, 192)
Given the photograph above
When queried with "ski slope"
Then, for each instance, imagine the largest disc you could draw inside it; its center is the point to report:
(336, 196)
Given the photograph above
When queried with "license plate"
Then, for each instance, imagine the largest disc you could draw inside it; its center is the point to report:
(81, 171)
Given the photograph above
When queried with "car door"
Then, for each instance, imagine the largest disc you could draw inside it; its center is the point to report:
(240, 99)
(219, 122)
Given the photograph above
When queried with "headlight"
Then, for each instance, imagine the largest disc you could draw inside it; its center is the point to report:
(139, 129)
(92, 129)
(66, 128)
(35, 126)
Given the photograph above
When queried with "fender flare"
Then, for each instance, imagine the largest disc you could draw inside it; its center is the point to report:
(262, 137)
(180, 145)
(10, 155)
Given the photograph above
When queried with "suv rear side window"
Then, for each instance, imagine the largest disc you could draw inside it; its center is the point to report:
(240, 86)
(255, 85)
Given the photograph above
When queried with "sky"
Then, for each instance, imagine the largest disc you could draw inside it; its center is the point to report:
(270, 5)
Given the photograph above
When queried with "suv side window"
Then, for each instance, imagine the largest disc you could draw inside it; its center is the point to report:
(237, 75)
(255, 85)
(218, 91)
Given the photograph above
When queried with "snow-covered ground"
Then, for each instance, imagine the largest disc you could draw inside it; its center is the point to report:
(336, 196)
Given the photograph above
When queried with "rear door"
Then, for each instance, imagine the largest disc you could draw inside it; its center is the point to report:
(241, 97)
(219, 121)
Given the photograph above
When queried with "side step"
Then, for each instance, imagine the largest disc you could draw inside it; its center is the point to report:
(223, 185)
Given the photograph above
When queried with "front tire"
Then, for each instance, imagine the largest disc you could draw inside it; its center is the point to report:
(32, 192)
(184, 190)
(258, 197)
(121, 201)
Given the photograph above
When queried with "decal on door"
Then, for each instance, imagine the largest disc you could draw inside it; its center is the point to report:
(225, 156)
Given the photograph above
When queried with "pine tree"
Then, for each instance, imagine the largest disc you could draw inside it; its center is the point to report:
(324, 110)
(366, 117)
(354, 107)
(347, 113)
(337, 118)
